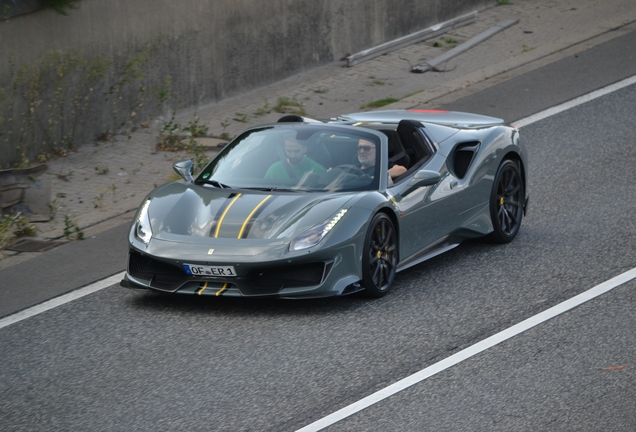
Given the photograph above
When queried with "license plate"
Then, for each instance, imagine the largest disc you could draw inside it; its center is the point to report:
(202, 270)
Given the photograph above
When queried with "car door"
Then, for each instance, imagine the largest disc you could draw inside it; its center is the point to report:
(428, 214)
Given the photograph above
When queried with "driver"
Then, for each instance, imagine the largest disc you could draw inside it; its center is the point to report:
(297, 161)
(366, 157)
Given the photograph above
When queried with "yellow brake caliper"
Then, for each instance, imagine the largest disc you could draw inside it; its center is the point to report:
(379, 254)
(386, 255)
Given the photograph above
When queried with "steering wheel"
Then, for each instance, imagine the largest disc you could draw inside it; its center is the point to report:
(351, 169)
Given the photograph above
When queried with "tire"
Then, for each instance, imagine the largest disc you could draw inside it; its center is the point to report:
(380, 256)
(506, 202)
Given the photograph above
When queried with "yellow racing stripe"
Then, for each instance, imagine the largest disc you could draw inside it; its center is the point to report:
(218, 226)
(223, 288)
(252, 214)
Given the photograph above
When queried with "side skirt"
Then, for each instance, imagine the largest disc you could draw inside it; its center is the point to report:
(428, 254)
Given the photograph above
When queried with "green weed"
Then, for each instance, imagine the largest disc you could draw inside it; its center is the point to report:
(6, 232)
(60, 6)
(98, 201)
(240, 117)
(195, 129)
(13, 226)
(47, 103)
(72, 231)
(53, 206)
(4, 13)
(169, 138)
(289, 106)
(50, 104)
(265, 109)
(376, 83)
(21, 226)
(199, 157)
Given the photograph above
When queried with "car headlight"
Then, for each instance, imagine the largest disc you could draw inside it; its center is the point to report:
(142, 228)
(313, 236)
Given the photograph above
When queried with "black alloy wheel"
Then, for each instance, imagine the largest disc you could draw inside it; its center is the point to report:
(380, 256)
(506, 202)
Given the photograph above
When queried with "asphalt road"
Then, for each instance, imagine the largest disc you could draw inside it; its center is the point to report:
(559, 82)
(123, 360)
(61, 270)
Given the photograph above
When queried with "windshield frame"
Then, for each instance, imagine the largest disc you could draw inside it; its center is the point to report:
(336, 178)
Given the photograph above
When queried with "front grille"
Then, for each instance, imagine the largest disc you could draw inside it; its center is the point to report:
(301, 275)
(266, 281)
(161, 275)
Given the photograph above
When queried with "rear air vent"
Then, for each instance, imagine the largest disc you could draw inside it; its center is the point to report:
(464, 156)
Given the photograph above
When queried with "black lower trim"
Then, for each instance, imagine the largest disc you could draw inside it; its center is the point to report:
(127, 283)
(266, 281)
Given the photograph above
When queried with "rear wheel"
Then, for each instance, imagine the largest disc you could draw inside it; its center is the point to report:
(506, 202)
(379, 258)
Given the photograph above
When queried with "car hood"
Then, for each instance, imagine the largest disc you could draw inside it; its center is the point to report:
(180, 211)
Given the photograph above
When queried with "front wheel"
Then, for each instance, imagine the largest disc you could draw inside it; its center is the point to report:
(506, 202)
(379, 259)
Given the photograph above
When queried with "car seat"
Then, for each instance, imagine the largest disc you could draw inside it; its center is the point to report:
(413, 141)
(397, 154)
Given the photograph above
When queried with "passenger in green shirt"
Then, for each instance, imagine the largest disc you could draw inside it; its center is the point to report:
(297, 159)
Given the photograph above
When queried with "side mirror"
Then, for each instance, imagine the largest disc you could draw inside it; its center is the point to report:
(420, 179)
(184, 168)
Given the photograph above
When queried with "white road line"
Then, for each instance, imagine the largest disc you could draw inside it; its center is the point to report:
(574, 102)
(470, 351)
(58, 301)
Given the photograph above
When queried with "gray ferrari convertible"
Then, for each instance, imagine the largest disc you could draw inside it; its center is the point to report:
(305, 208)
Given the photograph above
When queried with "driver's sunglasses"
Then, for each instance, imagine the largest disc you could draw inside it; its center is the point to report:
(365, 149)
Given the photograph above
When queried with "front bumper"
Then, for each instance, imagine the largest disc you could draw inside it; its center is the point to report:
(298, 279)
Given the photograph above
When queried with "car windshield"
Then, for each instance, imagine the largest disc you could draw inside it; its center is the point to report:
(298, 157)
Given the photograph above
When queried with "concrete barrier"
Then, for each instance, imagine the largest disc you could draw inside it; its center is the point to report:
(128, 60)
